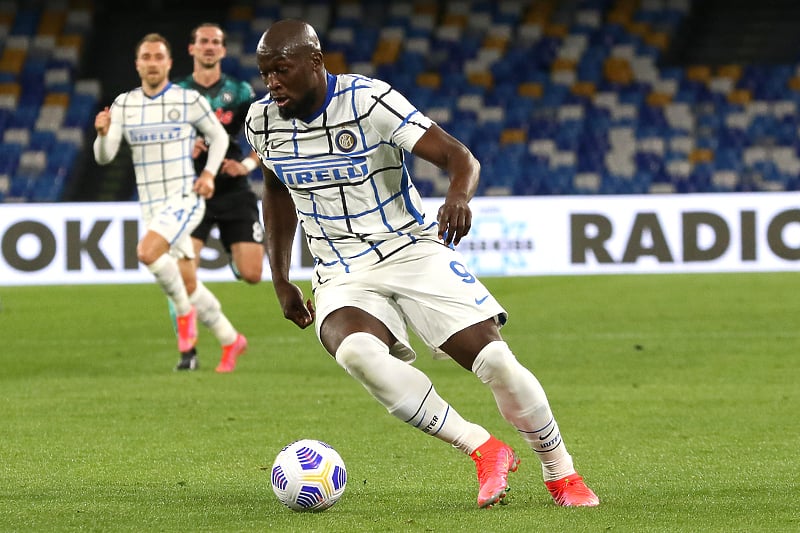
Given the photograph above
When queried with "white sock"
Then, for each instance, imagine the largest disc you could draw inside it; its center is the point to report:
(209, 313)
(168, 276)
(522, 401)
(406, 392)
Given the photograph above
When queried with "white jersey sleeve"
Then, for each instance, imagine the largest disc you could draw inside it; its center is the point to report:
(395, 118)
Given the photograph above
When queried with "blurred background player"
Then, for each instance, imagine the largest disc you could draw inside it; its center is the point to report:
(332, 151)
(160, 121)
(234, 206)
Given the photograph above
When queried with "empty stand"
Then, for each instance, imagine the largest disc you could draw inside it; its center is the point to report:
(553, 97)
(44, 109)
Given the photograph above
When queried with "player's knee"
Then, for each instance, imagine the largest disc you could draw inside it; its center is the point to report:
(146, 256)
(357, 350)
(250, 273)
(495, 361)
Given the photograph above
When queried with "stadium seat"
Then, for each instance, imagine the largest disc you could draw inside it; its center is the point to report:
(9, 157)
(579, 84)
(42, 140)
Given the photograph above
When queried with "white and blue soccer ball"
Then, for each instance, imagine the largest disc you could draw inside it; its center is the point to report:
(308, 475)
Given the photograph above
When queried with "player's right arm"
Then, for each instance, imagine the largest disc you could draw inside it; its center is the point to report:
(280, 226)
(108, 125)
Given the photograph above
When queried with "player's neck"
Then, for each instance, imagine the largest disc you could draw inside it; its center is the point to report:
(151, 91)
(206, 77)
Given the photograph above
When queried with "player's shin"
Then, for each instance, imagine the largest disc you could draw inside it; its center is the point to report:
(523, 402)
(168, 276)
(406, 392)
(209, 313)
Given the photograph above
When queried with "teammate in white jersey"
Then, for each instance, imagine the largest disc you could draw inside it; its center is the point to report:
(160, 121)
(332, 150)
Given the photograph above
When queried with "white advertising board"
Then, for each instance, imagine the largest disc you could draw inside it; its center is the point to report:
(73, 243)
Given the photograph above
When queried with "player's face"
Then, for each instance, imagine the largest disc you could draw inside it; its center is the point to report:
(153, 63)
(208, 48)
(291, 83)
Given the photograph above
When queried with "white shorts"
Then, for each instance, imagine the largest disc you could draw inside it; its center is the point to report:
(426, 286)
(175, 222)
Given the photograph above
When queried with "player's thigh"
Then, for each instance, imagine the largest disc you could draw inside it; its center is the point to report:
(249, 259)
(364, 310)
(175, 222)
(347, 320)
(440, 296)
(247, 254)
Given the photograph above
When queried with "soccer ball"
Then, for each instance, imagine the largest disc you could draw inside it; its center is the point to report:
(308, 475)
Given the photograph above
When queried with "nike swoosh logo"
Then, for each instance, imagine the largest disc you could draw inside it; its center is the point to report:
(479, 301)
(276, 144)
(545, 437)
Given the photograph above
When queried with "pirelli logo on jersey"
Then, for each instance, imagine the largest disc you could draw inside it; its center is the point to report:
(333, 169)
(155, 134)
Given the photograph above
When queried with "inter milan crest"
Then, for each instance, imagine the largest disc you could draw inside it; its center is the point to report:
(345, 141)
(173, 115)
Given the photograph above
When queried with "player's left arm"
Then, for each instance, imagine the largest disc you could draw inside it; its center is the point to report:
(451, 155)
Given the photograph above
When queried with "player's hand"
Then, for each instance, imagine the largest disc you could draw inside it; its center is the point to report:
(232, 167)
(455, 219)
(102, 122)
(291, 299)
(204, 185)
(199, 147)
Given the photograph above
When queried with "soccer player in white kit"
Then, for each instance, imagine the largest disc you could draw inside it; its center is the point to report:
(332, 150)
(160, 121)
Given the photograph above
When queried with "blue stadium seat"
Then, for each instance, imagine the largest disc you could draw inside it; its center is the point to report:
(47, 188)
(24, 116)
(9, 158)
(25, 22)
(62, 156)
(42, 140)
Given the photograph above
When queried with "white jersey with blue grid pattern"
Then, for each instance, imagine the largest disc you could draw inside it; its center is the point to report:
(345, 170)
(161, 132)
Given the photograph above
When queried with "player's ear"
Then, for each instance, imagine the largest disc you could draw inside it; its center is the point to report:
(317, 59)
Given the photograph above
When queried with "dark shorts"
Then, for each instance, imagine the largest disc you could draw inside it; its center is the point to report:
(237, 217)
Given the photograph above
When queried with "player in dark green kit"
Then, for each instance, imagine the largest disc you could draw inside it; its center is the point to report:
(234, 206)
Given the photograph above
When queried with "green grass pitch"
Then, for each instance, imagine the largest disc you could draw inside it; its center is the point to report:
(677, 395)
